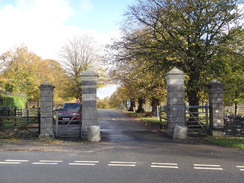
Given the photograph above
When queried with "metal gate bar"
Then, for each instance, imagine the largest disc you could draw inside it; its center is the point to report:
(67, 125)
(192, 115)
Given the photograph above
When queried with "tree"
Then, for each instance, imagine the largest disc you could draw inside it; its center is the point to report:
(230, 70)
(188, 34)
(19, 71)
(53, 72)
(137, 72)
(118, 98)
(23, 71)
(103, 103)
(78, 55)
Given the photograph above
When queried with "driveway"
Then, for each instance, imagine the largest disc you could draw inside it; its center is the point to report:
(129, 152)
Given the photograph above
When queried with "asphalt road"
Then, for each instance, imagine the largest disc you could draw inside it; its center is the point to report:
(128, 153)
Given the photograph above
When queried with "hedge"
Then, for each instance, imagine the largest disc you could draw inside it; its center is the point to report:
(13, 101)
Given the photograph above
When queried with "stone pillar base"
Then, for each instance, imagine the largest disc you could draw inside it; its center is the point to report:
(217, 133)
(180, 132)
(46, 136)
(170, 132)
(93, 134)
(83, 133)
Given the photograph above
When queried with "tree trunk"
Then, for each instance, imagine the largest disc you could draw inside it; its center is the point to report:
(236, 108)
(132, 105)
(155, 102)
(141, 102)
(193, 94)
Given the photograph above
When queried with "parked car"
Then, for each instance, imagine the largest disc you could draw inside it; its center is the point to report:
(70, 111)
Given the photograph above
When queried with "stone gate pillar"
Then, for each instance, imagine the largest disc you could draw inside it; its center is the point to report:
(176, 113)
(90, 128)
(46, 104)
(216, 106)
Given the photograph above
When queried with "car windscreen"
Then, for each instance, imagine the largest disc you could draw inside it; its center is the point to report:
(72, 106)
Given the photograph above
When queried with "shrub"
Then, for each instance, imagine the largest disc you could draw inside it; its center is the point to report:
(13, 101)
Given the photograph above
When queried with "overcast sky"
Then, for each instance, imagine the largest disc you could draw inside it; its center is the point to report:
(45, 25)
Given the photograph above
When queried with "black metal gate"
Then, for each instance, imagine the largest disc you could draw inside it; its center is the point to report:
(68, 128)
(197, 118)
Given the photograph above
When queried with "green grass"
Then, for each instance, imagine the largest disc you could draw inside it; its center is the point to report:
(13, 121)
(147, 117)
(227, 141)
(150, 119)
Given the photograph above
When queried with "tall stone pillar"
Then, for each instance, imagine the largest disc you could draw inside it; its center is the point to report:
(90, 129)
(46, 103)
(216, 106)
(176, 113)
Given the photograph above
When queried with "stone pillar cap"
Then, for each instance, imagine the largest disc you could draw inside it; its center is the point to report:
(175, 71)
(46, 84)
(215, 81)
(89, 73)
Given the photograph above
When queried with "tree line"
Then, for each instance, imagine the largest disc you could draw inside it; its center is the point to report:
(203, 38)
(23, 71)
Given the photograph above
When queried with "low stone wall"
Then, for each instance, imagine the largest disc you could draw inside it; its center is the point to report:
(234, 125)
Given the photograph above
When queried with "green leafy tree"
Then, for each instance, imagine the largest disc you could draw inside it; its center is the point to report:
(19, 71)
(229, 68)
(188, 34)
(103, 103)
(24, 71)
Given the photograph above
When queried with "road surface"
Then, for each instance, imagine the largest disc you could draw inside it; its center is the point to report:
(128, 153)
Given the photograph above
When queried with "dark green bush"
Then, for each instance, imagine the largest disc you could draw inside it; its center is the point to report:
(13, 101)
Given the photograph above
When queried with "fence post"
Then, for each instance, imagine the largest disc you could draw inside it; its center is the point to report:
(216, 107)
(206, 114)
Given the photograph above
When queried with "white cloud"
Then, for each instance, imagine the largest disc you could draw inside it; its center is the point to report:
(41, 26)
(48, 11)
(86, 5)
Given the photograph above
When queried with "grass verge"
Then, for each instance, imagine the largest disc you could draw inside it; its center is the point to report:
(227, 141)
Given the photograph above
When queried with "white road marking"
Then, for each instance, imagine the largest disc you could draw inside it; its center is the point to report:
(84, 163)
(203, 165)
(16, 160)
(164, 165)
(113, 119)
(40, 163)
(10, 163)
(13, 161)
(240, 167)
(122, 163)
(207, 167)
(51, 161)
(116, 163)
(47, 162)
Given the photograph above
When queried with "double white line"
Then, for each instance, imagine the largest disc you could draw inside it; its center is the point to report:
(207, 167)
(122, 163)
(13, 161)
(47, 162)
(241, 168)
(84, 163)
(164, 165)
